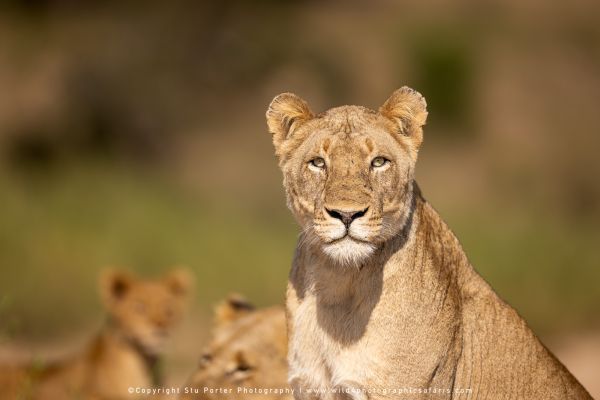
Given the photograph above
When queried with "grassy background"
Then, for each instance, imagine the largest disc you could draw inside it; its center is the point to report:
(58, 231)
(135, 136)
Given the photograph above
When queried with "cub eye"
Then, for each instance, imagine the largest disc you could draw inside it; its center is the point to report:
(240, 369)
(317, 162)
(243, 368)
(205, 358)
(379, 162)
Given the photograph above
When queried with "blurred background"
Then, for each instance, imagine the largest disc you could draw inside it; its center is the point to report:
(132, 134)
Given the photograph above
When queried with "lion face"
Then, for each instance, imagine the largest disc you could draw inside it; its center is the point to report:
(248, 351)
(348, 172)
(145, 311)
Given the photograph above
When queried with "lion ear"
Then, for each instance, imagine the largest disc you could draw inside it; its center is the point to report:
(179, 281)
(114, 285)
(285, 113)
(232, 308)
(407, 108)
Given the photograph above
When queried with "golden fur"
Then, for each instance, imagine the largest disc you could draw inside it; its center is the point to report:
(141, 314)
(248, 350)
(381, 298)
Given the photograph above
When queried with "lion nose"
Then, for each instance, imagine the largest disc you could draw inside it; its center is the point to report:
(346, 216)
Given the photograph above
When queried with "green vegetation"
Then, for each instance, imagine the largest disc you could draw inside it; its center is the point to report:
(59, 230)
(544, 268)
(134, 136)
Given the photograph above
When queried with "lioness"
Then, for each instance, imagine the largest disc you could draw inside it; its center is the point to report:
(382, 301)
(247, 352)
(141, 314)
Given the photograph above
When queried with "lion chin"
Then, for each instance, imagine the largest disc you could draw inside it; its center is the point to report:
(348, 251)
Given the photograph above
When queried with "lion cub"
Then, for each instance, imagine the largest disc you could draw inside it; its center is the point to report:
(382, 302)
(248, 351)
(141, 314)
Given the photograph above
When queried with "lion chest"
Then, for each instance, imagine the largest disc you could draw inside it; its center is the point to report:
(115, 368)
(369, 341)
(331, 349)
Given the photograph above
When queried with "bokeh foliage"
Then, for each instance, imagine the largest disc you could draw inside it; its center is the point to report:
(134, 135)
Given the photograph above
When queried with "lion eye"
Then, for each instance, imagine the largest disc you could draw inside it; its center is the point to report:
(317, 162)
(243, 367)
(240, 368)
(205, 358)
(379, 162)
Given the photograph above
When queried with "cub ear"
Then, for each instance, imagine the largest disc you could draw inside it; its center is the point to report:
(407, 108)
(114, 285)
(179, 281)
(285, 113)
(232, 308)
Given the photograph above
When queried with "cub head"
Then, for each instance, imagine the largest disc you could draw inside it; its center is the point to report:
(145, 311)
(348, 172)
(248, 351)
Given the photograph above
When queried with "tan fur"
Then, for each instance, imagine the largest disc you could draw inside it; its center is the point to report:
(248, 350)
(386, 300)
(141, 314)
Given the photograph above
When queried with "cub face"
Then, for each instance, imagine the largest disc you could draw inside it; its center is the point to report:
(145, 311)
(348, 172)
(248, 350)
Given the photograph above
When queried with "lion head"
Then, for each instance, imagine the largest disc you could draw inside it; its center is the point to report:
(348, 172)
(144, 311)
(247, 352)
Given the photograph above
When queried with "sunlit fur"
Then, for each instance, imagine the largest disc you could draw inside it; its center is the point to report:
(348, 139)
(348, 251)
(247, 351)
(395, 303)
(141, 313)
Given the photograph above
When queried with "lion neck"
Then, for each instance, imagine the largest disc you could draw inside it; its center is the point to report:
(422, 258)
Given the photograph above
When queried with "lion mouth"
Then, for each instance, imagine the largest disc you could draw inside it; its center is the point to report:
(347, 237)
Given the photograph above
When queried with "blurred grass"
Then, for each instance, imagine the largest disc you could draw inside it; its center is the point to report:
(59, 231)
(60, 228)
(171, 97)
(543, 266)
